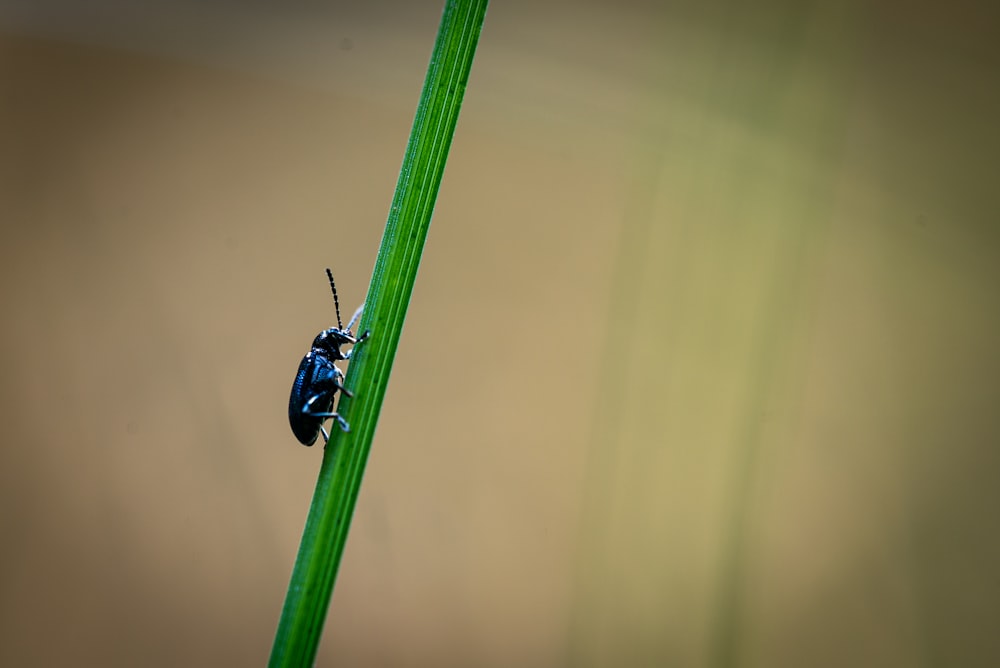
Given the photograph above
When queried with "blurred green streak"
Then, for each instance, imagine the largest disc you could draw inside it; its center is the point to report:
(728, 206)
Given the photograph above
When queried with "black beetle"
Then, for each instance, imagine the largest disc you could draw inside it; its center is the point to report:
(318, 379)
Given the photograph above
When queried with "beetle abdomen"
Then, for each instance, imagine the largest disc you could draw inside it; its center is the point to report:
(305, 426)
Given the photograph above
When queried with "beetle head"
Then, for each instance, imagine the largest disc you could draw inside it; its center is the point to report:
(329, 341)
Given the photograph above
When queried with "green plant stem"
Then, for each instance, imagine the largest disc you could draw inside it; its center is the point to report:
(340, 475)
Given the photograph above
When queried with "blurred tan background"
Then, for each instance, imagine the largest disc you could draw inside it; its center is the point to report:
(701, 366)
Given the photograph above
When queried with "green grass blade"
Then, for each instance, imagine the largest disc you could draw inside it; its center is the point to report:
(329, 519)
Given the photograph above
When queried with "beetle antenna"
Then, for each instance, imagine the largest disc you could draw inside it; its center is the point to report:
(336, 301)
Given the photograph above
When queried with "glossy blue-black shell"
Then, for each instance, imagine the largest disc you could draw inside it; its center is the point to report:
(316, 377)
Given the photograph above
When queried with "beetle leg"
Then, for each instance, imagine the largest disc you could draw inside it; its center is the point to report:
(326, 436)
(307, 407)
(357, 341)
(341, 421)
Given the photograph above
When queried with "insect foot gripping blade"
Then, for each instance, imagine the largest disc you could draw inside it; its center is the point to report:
(319, 379)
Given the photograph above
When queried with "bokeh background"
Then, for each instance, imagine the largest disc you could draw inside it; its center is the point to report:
(701, 367)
